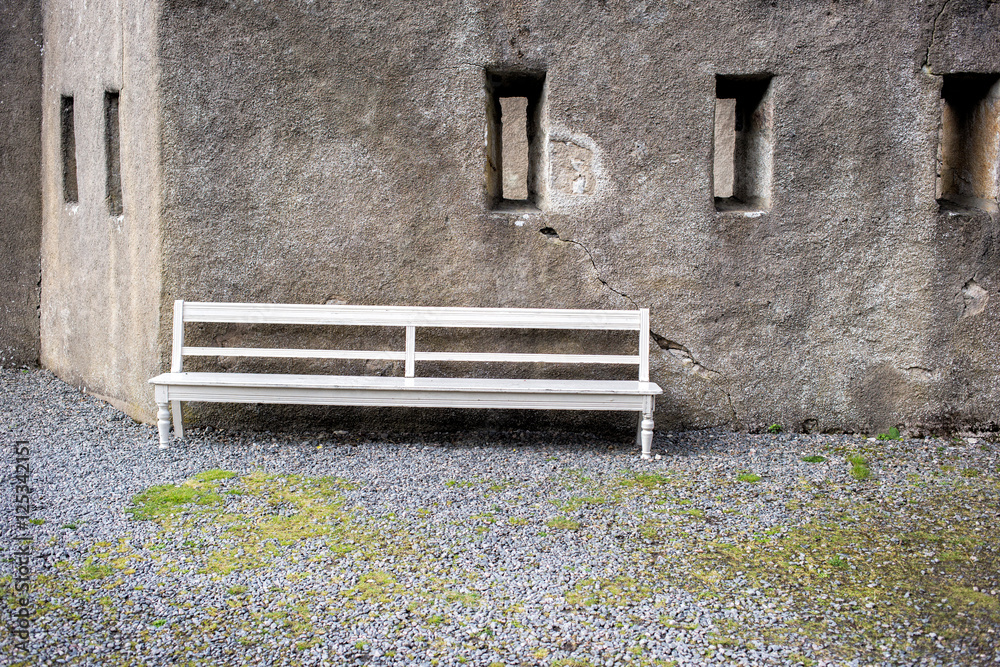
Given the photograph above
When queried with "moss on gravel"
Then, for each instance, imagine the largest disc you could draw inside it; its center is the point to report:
(856, 569)
(899, 576)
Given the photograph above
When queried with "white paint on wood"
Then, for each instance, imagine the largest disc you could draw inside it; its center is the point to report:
(409, 391)
(382, 382)
(390, 355)
(292, 353)
(446, 317)
(532, 357)
(163, 423)
(178, 344)
(407, 396)
(411, 348)
(175, 408)
(644, 345)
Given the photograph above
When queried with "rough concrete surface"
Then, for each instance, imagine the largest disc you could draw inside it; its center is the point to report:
(20, 179)
(100, 293)
(327, 151)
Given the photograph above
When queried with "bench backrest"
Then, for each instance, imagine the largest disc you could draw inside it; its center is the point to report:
(411, 317)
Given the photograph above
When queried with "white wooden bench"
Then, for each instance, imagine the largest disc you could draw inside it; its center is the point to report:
(410, 391)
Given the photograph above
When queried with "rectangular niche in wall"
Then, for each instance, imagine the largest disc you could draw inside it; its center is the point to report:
(514, 139)
(112, 154)
(744, 143)
(67, 135)
(969, 146)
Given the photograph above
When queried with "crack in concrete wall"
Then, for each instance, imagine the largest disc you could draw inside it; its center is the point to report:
(670, 349)
(554, 235)
(974, 299)
(921, 373)
(930, 43)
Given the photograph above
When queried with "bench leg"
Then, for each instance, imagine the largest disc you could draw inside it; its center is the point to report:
(163, 424)
(646, 434)
(175, 407)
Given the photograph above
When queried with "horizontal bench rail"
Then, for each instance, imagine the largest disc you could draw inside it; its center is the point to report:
(505, 357)
(394, 316)
(614, 359)
(376, 382)
(291, 353)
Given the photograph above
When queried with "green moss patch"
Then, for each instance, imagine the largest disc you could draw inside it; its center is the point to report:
(619, 590)
(563, 523)
(878, 568)
(376, 585)
(859, 467)
(214, 475)
(645, 480)
(167, 499)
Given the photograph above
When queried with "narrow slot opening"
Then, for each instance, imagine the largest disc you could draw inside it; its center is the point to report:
(68, 150)
(515, 139)
(969, 142)
(112, 153)
(743, 143)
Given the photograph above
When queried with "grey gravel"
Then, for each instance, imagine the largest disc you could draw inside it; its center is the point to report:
(475, 506)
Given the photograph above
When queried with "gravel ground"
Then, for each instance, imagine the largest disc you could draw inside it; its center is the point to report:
(492, 548)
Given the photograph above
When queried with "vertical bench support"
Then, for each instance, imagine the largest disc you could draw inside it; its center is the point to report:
(176, 366)
(411, 351)
(644, 345)
(644, 430)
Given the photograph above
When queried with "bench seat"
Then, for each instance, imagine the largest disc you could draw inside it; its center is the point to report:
(408, 392)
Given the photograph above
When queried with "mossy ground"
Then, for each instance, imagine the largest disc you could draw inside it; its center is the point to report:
(891, 578)
(845, 566)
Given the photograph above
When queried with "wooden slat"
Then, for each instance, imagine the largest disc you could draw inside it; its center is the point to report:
(408, 397)
(378, 382)
(644, 346)
(175, 409)
(176, 362)
(294, 353)
(411, 348)
(507, 318)
(503, 357)
(621, 359)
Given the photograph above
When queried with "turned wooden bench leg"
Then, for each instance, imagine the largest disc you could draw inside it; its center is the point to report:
(644, 433)
(647, 435)
(163, 424)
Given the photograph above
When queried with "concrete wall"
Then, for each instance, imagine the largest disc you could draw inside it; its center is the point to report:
(20, 179)
(334, 151)
(100, 291)
(963, 372)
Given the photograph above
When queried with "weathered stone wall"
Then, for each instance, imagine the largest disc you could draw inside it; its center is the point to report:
(20, 179)
(334, 151)
(100, 291)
